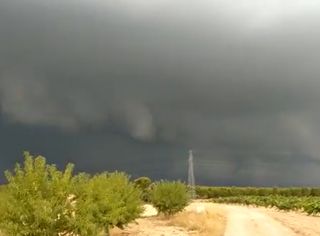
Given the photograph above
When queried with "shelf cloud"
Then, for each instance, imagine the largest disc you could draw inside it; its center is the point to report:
(133, 85)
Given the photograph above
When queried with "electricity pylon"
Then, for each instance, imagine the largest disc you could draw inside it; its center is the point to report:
(191, 180)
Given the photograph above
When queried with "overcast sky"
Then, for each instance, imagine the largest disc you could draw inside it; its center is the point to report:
(134, 84)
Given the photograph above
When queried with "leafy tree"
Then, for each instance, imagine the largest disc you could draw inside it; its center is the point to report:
(111, 199)
(37, 196)
(41, 200)
(144, 184)
(169, 197)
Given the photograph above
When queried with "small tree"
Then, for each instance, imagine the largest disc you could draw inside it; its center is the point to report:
(144, 184)
(36, 199)
(40, 200)
(169, 197)
(111, 199)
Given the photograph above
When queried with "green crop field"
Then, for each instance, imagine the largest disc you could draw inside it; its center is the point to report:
(310, 205)
(302, 199)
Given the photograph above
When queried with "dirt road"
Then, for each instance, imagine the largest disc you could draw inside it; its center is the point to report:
(209, 219)
(251, 221)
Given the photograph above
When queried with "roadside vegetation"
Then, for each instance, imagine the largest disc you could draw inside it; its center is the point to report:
(169, 198)
(41, 200)
(203, 218)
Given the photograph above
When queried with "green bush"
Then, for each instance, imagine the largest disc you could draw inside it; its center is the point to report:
(111, 200)
(36, 199)
(41, 200)
(144, 184)
(169, 197)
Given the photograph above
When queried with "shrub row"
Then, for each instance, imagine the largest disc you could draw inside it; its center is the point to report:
(310, 205)
(41, 200)
(214, 192)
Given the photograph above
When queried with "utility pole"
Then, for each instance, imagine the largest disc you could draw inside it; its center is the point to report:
(191, 180)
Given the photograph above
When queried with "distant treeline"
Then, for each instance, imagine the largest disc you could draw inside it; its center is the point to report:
(205, 192)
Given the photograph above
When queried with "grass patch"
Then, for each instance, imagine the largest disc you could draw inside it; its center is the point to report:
(204, 221)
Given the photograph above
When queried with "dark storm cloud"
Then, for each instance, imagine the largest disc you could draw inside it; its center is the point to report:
(239, 82)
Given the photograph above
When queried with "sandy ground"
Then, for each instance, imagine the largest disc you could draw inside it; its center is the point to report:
(208, 219)
(299, 223)
(150, 227)
(251, 221)
(149, 224)
(198, 219)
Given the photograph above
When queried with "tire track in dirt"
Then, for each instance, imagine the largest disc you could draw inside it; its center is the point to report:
(251, 221)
